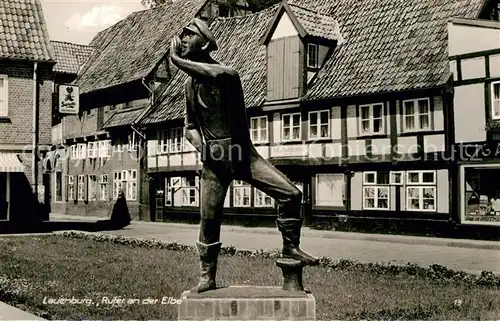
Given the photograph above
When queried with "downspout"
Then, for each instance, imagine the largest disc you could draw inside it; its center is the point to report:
(34, 168)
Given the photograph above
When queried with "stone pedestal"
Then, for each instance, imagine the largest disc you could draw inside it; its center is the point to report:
(248, 303)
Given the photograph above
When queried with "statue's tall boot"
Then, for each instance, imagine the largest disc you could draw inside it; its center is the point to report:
(208, 264)
(290, 231)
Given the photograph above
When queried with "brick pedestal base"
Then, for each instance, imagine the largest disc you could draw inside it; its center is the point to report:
(248, 303)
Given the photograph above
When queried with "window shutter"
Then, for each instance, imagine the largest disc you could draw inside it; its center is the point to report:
(291, 67)
(275, 72)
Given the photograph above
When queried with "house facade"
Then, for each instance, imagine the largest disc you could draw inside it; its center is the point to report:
(26, 62)
(474, 55)
(120, 79)
(353, 104)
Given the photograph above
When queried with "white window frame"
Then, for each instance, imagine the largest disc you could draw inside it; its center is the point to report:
(392, 177)
(316, 56)
(104, 187)
(117, 183)
(71, 187)
(186, 190)
(322, 202)
(131, 180)
(259, 198)
(493, 100)
(118, 147)
(92, 187)
(81, 188)
(104, 148)
(258, 130)
(74, 153)
(319, 124)
(290, 117)
(371, 119)
(132, 143)
(420, 186)
(91, 150)
(163, 141)
(4, 104)
(416, 115)
(176, 140)
(245, 188)
(376, 187)
(81, 151)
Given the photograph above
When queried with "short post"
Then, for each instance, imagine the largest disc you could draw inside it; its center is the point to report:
(292, 274)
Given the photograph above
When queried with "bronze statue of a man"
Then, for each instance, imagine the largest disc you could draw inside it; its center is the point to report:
(217, 126)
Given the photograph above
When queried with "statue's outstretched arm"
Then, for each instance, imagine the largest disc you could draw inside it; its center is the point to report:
(196, 69)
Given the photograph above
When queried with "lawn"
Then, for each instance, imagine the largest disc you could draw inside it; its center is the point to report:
(36, 269)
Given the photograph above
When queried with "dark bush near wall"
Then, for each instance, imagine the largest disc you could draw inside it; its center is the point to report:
(407, 227)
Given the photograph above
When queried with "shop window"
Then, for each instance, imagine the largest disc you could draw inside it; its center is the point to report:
(58, 188)
(103, 188)
(482, 194)
(421, 191)
(259, 129)
(241, 194)
(495, 100)
(416, 115)
(261, 199)
(329, 190)
(92, 187)
(371, 118)
(290, 127)
(376, 190)
(319, 124)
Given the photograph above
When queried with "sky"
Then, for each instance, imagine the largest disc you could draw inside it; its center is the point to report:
(77, 21)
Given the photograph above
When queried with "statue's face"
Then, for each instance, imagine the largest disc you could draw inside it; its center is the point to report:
(191, 43)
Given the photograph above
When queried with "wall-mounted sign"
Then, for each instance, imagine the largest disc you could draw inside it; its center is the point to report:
(69, 99)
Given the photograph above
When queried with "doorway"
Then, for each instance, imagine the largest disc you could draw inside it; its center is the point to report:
(4, 196)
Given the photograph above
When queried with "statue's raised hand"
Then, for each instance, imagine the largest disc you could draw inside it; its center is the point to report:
(175, 46)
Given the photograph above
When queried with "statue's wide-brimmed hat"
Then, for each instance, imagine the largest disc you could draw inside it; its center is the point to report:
(200, 28)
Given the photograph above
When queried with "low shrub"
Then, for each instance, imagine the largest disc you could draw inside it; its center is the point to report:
(434, 271)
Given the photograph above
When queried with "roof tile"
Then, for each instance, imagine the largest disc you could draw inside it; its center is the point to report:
(388, 46)
(69, 56)
(130, 49)
(23, 31)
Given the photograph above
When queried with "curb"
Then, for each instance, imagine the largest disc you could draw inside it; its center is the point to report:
(308, 232)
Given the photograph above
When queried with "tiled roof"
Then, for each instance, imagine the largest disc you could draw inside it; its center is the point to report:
(70, 56)
(317, 24)
(123, 117)
(239, 48)
(23, 31)
(132, 48)
(389, 45)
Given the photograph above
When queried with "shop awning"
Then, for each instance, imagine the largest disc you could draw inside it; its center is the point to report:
(10, 163)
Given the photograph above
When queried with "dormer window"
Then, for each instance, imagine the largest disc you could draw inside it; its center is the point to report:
(312, 55)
